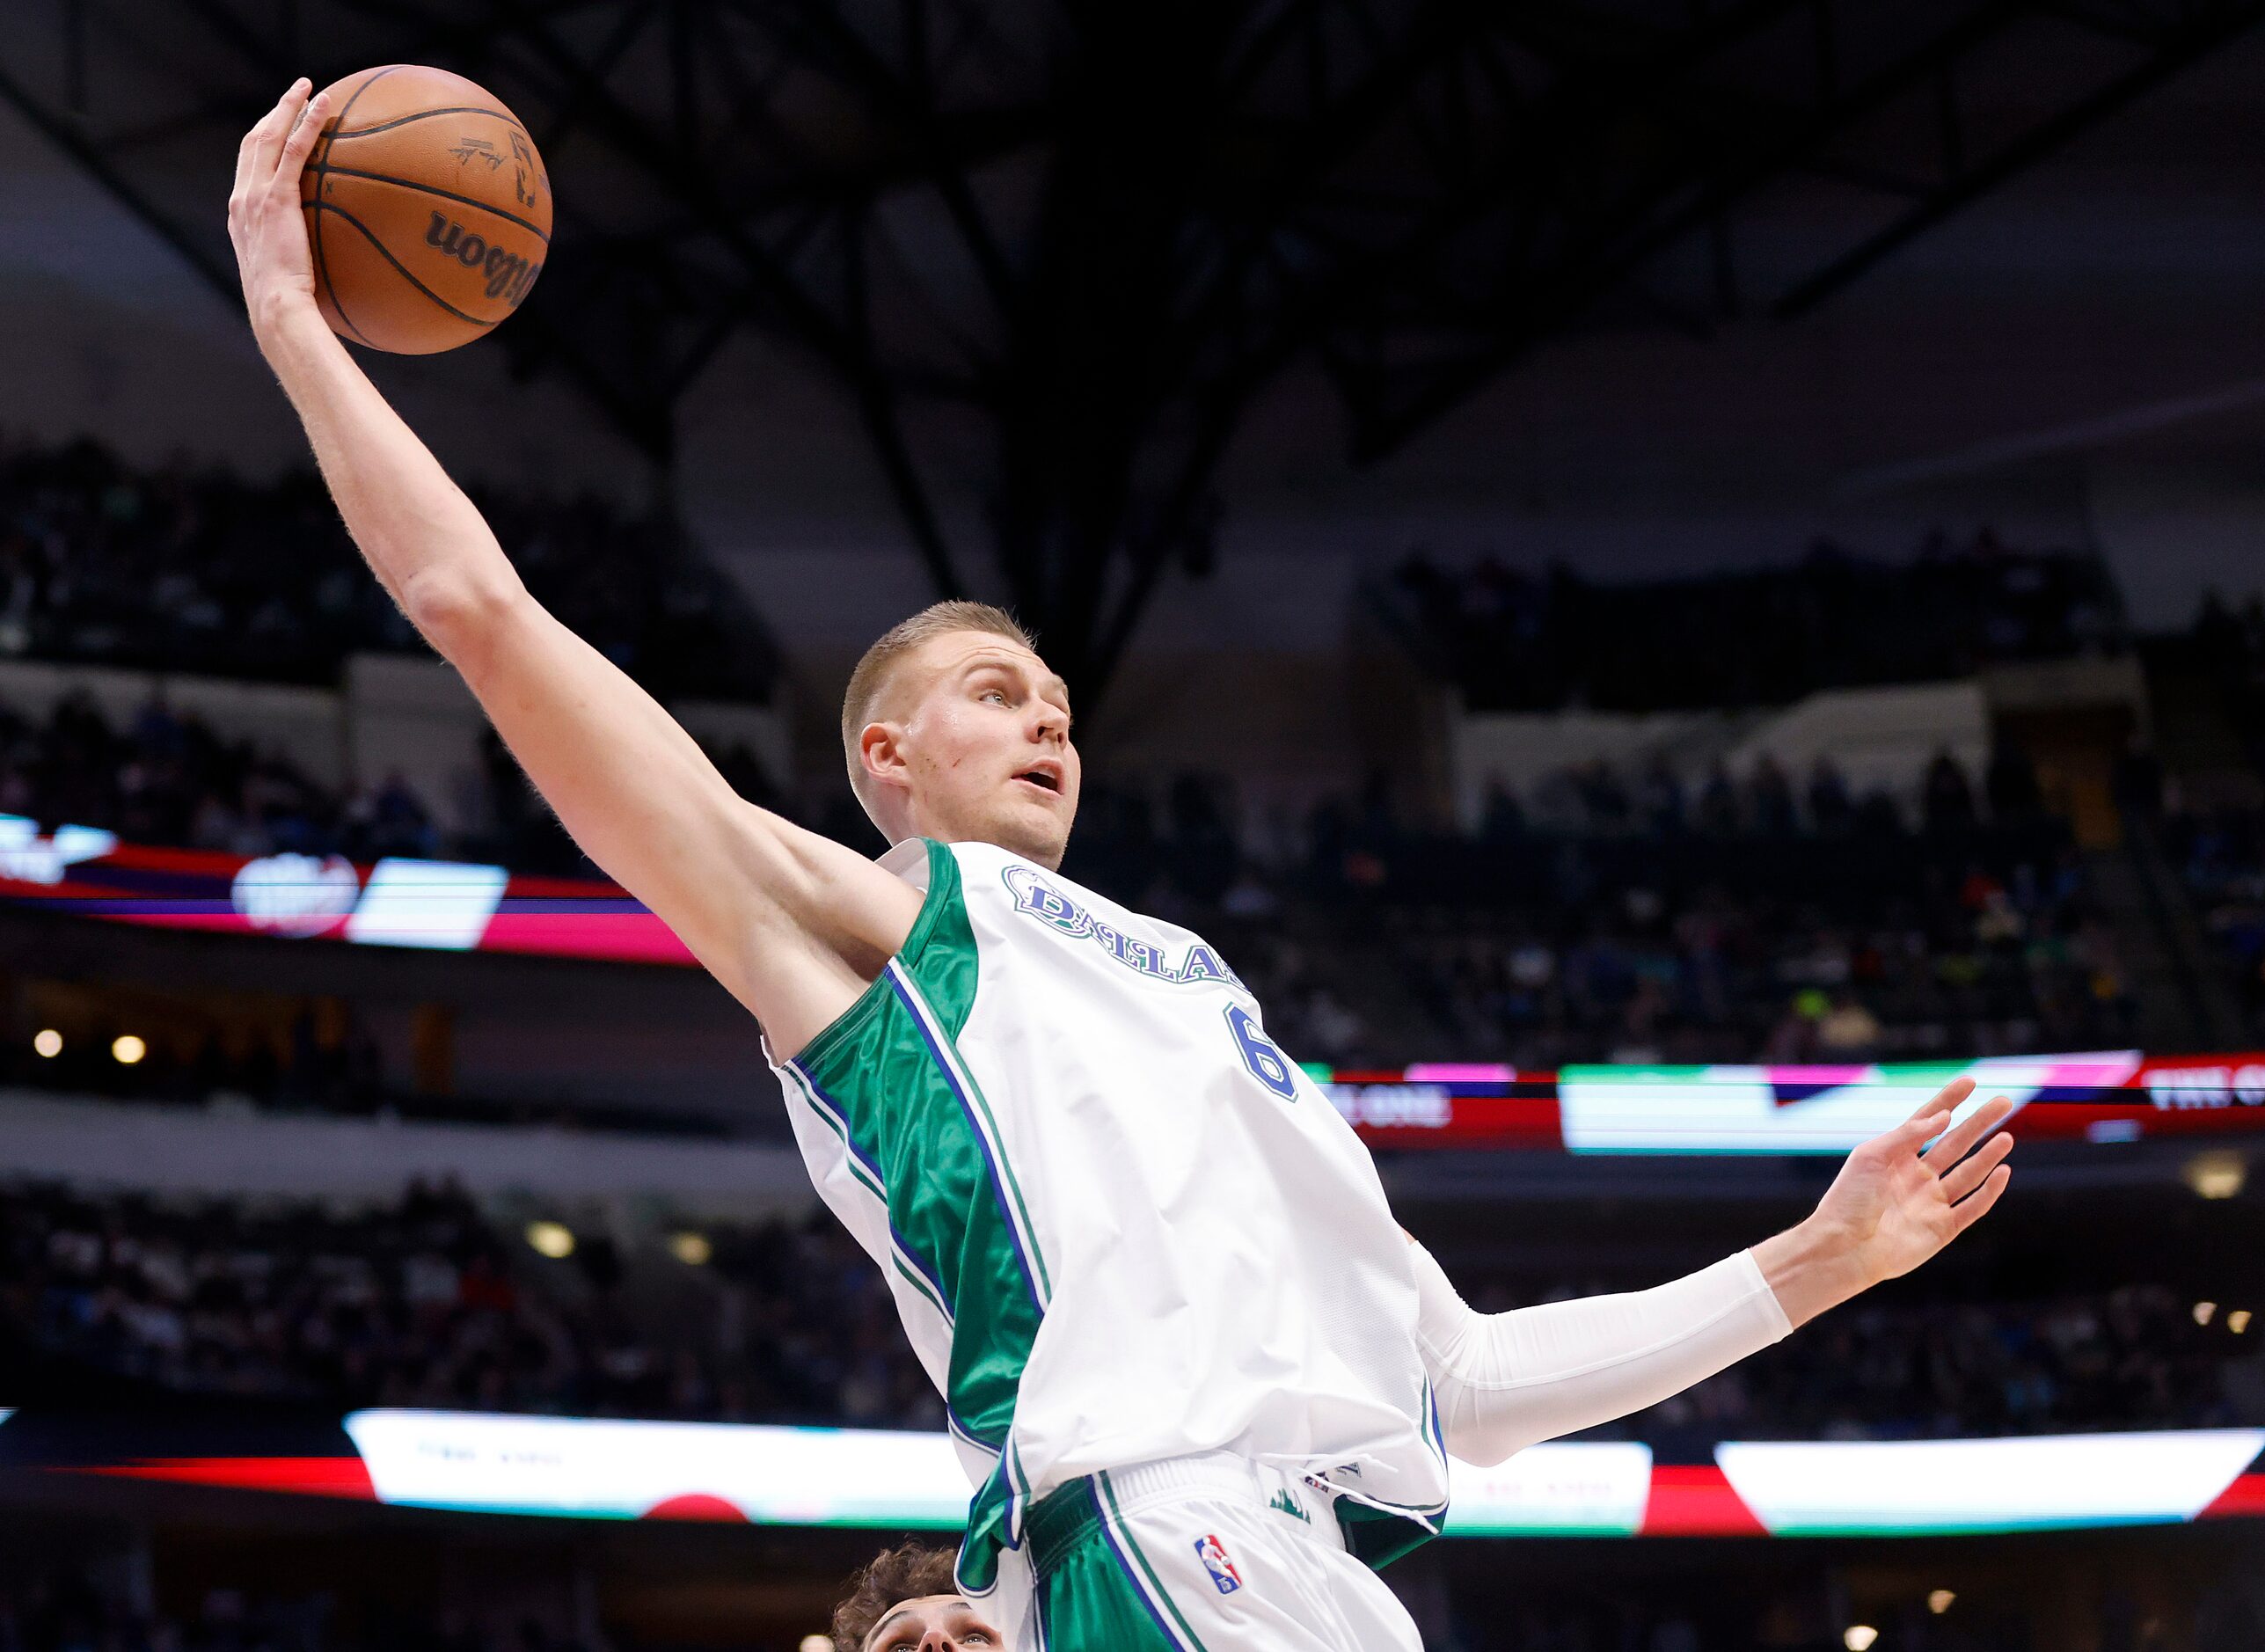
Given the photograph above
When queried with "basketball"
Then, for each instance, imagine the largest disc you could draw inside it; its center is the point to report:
(428, 212)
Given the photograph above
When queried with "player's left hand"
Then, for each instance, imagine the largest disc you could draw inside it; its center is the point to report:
(1898, 1201)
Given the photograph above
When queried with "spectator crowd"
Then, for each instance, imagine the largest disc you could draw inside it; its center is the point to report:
(1760, 1599)
(168, 778)
(83, 1608)
(428, 1302)
(1610, 917)
(185, 569)
(1601, 916)
(1512, 641)
(1805, 949)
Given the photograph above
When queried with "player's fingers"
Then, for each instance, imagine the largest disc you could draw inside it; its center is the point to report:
(1944, 1099)
(1956, 1143)
(1966, 1214)
(1914, 1133)
(267, 140)
(303, 139)
(1969, 1172)
(249, 148)
(243, 166)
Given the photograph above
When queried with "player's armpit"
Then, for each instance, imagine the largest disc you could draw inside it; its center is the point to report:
(794, 924)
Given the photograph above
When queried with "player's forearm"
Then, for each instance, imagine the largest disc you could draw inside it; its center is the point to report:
(1506, 1381)
(424, 539)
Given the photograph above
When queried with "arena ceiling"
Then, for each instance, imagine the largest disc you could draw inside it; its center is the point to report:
(1086, 237)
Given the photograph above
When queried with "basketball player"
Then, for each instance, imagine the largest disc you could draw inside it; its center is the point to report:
(904, 1600)
(1200, 1379)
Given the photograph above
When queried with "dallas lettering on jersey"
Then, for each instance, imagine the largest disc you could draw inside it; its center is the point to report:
(1037, 898)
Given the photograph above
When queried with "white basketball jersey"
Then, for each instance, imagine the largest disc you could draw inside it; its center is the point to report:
(1120, 1225)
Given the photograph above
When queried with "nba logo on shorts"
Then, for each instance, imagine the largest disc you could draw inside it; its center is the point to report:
(1213, 1554)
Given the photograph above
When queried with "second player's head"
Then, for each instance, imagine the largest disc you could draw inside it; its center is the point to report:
(955, 728)
(904, 1600)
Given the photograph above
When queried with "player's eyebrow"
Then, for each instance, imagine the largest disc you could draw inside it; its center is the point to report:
(873, 1635)
(1050, 683)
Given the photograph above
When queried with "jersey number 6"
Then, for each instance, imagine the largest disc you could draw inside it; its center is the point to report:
(1268, 1065)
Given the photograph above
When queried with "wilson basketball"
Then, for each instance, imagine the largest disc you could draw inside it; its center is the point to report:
(427, 210)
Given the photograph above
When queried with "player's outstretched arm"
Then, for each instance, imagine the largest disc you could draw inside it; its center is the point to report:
(1506, 1381)
(794, 924)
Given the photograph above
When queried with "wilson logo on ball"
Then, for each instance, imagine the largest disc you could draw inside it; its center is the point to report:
(508, 275)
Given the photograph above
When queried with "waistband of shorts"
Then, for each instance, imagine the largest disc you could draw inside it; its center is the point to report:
(1067, 1516)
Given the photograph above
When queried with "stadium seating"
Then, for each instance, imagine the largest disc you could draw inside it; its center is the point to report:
(428, 1300)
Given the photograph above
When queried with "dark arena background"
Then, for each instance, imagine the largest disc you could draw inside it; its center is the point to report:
(1662, 578)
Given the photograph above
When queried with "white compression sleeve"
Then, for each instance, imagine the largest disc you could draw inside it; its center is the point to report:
(1505, 1381)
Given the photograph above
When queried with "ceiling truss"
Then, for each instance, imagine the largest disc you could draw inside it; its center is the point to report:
(1052, 250)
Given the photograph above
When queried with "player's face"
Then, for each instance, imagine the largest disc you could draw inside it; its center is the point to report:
(982, 747)
(935, 1623)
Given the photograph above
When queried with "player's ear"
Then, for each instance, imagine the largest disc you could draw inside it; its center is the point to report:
(880, 750)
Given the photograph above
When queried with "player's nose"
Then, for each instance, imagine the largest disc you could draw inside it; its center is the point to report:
(937, 1640)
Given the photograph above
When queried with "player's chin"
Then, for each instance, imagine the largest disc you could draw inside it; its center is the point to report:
(1036, 829)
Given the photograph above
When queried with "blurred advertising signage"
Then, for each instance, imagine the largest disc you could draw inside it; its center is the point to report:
(1811, 1109)
(438, 905)
(588, 1468)
(2100, 1096)
(1823, 1489)
(626, 1471)
(1445, 1104)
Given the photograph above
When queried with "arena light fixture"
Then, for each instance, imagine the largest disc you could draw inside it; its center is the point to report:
(1939, 1601)
(553, 1239)
(817, 1643)
(1859, 1637)
(2237, 1321)
(692, 1249)
(2206, 1312)
(2216, 1175)
(126, 1049)
(48, 1042)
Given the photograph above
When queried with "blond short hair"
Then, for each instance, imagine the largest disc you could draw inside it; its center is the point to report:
(871, 679)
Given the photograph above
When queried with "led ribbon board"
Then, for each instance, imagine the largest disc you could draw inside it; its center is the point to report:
(2099, 1096)
(444, 905)
(1734, 1109)
(604, 1469)
(600, 1469)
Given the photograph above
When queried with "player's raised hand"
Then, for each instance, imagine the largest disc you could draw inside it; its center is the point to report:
(264, 216)
(1895, 1202)
(1898, 1201)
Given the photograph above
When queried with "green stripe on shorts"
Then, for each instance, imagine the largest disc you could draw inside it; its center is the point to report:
(1088, 1600)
